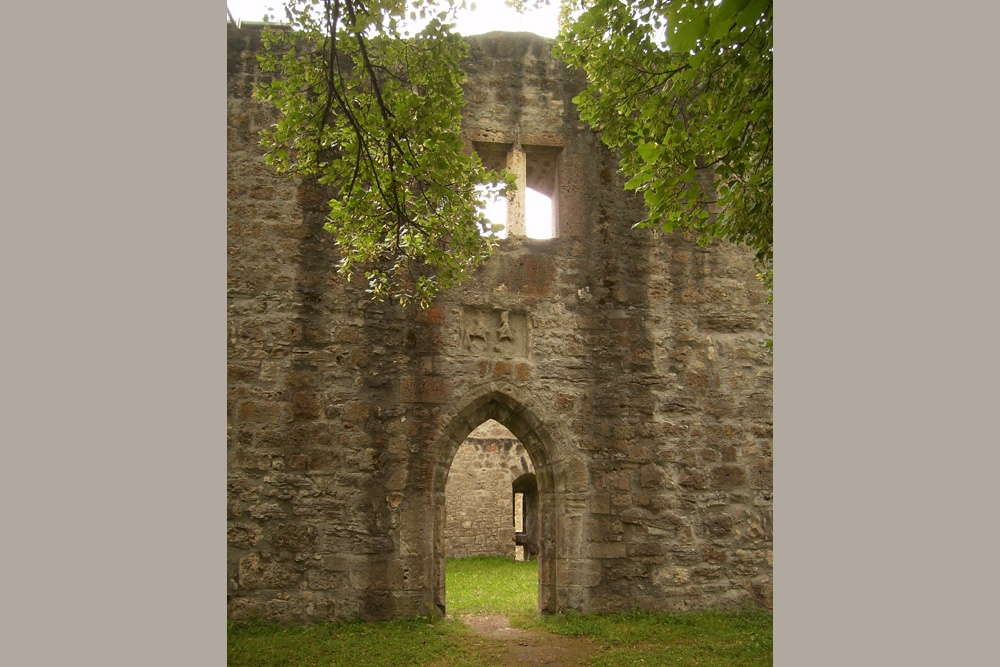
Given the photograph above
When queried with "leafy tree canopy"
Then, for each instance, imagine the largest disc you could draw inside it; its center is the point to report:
(682, 88)
(374, 113)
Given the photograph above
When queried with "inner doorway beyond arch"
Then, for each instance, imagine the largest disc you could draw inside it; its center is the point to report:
(485, 507)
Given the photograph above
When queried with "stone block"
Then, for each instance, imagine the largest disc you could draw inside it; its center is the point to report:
(250, 460)
(423, 389)
(266, 511)
(243, 536)
(306, 405)
(761, 473)
(260, 411)
(726, 476)
(257, 572)
(606, 550)
(718, 526)
(651, 476)
(292, 537)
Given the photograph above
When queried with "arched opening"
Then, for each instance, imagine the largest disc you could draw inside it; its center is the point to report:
(561, 487)
(483, 515)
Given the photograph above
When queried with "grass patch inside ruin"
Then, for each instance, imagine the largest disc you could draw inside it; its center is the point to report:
(492, 585)
(704, 638)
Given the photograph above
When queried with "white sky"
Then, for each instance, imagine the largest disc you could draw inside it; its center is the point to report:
(488, 16)
(537, 214)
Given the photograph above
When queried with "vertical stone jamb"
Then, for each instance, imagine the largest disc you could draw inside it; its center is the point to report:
(516, 165)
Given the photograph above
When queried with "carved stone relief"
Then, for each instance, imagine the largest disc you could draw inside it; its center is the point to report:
(494, 332)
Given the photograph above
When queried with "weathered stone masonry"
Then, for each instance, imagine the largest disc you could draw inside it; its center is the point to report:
(631, 371)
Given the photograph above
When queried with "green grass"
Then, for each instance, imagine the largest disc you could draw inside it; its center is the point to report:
(706, 638)
(505, 587)
(436, 643)
(492, 585)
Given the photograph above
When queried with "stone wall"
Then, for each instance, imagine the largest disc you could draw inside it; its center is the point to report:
(631, 370)
(479, 494)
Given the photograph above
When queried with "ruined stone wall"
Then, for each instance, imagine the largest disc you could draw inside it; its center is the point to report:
(479, 495)
(631, 371)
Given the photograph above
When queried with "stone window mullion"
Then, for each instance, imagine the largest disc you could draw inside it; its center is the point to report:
(516, 164)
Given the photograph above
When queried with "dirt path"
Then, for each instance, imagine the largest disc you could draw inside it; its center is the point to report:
(532, 647)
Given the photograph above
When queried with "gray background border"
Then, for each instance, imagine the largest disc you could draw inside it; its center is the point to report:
(114, 386)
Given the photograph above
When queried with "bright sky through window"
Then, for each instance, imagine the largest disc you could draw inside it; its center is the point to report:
(537, 215)
(496, 212)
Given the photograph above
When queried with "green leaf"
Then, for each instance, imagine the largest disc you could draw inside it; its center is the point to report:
(649, 151)
(730, 8)
(638, 180)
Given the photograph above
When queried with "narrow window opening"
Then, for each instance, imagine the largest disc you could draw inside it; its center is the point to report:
(538, 214)
(495, 211)
(532, 209)
(541, 179)
(493, 156)
(518, 525)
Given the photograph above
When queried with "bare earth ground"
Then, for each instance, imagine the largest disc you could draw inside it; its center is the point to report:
(532, 647)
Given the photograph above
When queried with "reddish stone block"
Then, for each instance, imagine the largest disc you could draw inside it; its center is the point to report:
(359, 357)
(693, 479)
(432, 315)
(718, 526)
(714, 555)
(299, 378)
(242, 372)
(565, 403)
(642, 356)
(259, 411)
(261, 192)
(312, 198)
(423, 389)
(651, 476)
(359, 411)
(306, 405)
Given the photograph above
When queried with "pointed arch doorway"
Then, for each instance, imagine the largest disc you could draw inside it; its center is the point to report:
(561, 486)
